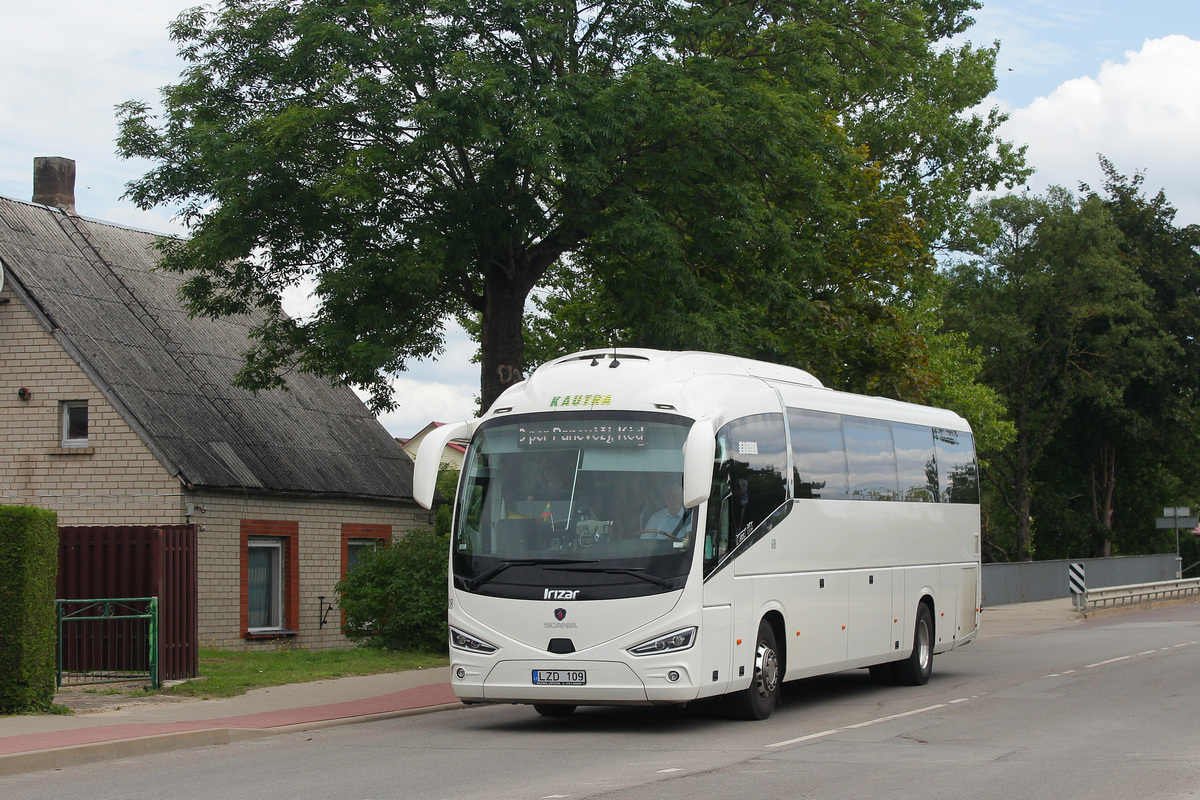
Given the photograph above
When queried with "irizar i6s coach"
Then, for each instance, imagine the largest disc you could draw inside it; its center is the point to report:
(637, 527)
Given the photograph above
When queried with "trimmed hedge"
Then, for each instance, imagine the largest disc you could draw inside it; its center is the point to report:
(28, 577)
(396, 597)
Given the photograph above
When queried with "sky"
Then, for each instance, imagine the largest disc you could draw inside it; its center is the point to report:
(1078, 79)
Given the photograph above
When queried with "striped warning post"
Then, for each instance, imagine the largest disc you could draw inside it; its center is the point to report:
(1076, 582)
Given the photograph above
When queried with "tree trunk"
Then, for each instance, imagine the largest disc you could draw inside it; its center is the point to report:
(1022, 505)
(501, 339)
(1022, 502)
(1104, 485)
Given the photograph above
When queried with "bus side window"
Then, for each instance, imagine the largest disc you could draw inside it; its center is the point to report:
(720, 500)
(871, 459)
(915, 463)
(754, 469)
(958, 472)
(818, 455)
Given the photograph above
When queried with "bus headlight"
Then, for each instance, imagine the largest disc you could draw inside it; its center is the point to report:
(678, 640)
(465, 641)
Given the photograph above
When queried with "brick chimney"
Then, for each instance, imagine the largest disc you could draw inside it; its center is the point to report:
(54, 182)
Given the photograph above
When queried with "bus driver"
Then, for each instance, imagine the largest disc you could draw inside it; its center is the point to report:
(673, 521)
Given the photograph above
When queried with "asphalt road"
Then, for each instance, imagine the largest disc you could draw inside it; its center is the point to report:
(1107, 708)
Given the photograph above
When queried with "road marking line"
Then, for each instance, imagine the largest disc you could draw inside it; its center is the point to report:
(1147, 652)
(671, 769)
(1110, 661)
(832, 731)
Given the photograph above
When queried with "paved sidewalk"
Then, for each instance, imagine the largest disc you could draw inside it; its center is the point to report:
(46, 741)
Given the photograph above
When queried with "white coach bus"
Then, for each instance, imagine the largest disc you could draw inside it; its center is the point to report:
(645, 527)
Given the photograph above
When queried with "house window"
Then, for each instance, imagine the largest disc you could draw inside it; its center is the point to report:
(73, 416)
(270, 578)
(357, 538)
(355, 548)
(264, 568)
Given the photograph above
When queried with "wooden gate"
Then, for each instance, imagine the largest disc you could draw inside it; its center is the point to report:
(135, 561)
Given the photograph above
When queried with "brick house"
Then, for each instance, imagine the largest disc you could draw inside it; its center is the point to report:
(116, 408)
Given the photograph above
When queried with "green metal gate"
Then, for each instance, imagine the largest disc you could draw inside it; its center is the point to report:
(108, 640)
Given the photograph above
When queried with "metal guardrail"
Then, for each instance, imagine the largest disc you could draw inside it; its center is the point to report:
(1117, 596)
(107, 640)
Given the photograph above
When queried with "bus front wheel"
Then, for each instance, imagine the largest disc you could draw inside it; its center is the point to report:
(758, 700)
(916, 669)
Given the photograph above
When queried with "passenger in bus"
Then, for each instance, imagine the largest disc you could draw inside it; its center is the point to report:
(673, 521)
(553, 480)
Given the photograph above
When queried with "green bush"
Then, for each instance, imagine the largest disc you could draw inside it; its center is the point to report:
(396, 597)
(447, 484)
(28, 574)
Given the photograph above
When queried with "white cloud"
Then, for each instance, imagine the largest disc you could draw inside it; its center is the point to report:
(445, 390)
(1142, 114)
(66, 66)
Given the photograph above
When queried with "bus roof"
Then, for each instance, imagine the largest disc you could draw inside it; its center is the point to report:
(693, 384)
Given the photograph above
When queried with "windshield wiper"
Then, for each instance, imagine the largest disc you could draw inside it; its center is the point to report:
(480, 580)
(637, 572)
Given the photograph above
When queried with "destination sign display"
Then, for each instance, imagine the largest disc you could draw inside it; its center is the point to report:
(581, 435)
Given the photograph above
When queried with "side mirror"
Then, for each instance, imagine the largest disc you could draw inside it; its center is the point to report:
(698, 453)
(429, 458)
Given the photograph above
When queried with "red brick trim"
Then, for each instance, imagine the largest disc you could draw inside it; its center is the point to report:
(289, 532)
(358, 530)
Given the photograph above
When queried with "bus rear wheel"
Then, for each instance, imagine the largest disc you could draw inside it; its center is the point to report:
(553, 709)
(759, 699)
(916, 669)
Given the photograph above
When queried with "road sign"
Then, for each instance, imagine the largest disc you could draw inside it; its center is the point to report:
(1182, 523)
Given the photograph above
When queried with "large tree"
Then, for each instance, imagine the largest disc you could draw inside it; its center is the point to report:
(1115, 465)
(417, 160)
(1064, 324)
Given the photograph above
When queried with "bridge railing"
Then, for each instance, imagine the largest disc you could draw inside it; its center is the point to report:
(1132, 594)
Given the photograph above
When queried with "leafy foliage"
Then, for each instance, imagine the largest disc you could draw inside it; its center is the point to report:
(1114, 466)
(396, 597)
(723, 170)
(447, 486)
(1067, 326)
(28, 576)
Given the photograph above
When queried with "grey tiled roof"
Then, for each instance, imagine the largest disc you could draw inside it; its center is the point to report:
(170, 375)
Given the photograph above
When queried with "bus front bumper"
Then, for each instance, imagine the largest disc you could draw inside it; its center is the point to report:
(604, 682)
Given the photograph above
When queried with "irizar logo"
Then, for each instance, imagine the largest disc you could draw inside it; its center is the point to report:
(560, 594)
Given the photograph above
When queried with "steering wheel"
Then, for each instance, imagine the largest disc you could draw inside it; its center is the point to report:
(658, 535)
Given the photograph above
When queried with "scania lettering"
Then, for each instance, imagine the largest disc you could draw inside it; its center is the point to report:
(725, 525)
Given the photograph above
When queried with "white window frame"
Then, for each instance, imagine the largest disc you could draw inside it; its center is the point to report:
(362, 544)
(275, 612)
(64, 419)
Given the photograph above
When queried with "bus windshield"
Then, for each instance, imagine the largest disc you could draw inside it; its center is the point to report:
(576, 502)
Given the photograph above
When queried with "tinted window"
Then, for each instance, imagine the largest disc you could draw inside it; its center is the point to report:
(915, 464)
(819, 455)
(958, 474)
(870, 458)
(749, 482)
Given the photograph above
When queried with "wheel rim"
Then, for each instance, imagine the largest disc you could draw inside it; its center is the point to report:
(924, 648)
(766, 669)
